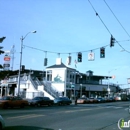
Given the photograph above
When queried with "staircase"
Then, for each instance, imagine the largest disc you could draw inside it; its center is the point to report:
(47, 87)
(51, 90)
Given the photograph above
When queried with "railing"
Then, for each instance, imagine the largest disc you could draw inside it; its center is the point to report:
(33, 82)
(51, 90)
(47, 87)
(38, 82)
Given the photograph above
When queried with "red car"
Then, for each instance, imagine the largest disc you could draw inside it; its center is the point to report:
(82, 100)
(12, 101)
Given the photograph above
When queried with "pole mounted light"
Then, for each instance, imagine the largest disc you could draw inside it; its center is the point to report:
(108, 88)
(19, 74)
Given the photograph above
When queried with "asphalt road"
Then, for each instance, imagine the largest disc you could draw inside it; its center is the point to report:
(103, 116)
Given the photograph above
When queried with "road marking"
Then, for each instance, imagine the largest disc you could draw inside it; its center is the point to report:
(113, 107)
(81, 110)
(25, 116)
(118, 107)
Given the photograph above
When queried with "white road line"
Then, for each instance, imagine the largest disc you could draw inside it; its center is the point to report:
(112, 107)
(25, 116)
(82, 110)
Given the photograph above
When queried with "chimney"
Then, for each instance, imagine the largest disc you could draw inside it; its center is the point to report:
(58, 61)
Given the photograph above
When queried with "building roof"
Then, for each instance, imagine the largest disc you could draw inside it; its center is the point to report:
(59, 66)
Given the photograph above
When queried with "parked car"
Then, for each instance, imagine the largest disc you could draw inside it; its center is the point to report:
(39, 101)
(101, 100)
(110, 99)
(118, 98)
(12, 101)
(82, 100)
(2, 123)
(93, 100)
(62, 101)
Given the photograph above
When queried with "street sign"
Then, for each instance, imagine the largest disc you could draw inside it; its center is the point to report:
(91, 56)
(7, 58)
(6, 65)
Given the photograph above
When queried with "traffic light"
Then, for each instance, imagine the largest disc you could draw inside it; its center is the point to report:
(79, 57)
(23, 67)
(112, 41)
(45, 61)
(102, 52)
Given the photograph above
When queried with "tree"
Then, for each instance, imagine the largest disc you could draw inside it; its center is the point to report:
(1, 51)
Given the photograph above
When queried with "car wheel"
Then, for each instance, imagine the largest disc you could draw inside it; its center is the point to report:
(38, 104)
(49, 104)
(0, 126)
(60, 103)
(22, 105)
(5, 106)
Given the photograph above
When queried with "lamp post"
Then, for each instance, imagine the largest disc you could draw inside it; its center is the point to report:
(19, 74)
(108, 89)
(80, 90)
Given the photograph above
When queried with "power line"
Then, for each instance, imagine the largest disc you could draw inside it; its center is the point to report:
(116, 18)
(46, 51)
(99, 17)
(62, 52)
(107, 27)
(122, 47)
(91, 49)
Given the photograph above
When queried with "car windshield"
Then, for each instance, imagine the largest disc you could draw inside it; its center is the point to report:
(37, 98)
(82, 98)
(6, 98)
(46, 98)
(99, 98)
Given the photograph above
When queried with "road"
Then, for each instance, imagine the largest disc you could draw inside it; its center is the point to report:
(103, 116)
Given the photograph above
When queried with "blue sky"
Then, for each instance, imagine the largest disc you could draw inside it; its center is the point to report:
(68, 26)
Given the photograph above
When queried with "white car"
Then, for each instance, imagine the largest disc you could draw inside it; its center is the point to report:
(2, 123)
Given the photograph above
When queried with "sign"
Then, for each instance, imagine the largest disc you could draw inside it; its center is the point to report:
(91, 56)
(128, 80)
(6, 65)
(6, 58)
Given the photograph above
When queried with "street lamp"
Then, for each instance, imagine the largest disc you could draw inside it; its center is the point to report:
(22, 38)
(108, 89)
(80, 90)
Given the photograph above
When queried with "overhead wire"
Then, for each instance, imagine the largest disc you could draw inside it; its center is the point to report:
(94, 48)
(120, 25)
(99, 17)
(117, 18)
(62, 52)
(107, 27)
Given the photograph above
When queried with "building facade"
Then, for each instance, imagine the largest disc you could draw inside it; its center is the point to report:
(57, 80)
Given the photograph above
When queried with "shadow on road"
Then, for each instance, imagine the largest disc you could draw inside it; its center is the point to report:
(25, 128)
